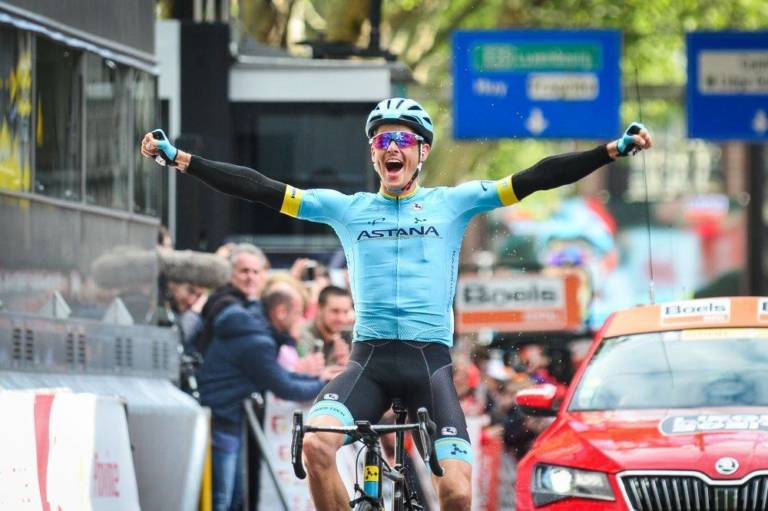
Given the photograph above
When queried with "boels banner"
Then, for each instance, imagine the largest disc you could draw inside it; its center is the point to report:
(519, 303)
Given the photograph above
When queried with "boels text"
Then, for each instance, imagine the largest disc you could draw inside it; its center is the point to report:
(482, 294)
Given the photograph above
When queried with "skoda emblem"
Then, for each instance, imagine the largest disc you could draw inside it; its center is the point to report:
(726, 466)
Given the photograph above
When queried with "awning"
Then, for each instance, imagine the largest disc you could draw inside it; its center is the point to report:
(79, 43)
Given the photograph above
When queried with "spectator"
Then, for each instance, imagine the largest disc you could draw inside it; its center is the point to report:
(287, 279)
(187, 301)
(292, 293)
(329, 326)
(315, 278)
(164, 239)
(519, 430)
(241, 359)
(537, 363)
(246, 282)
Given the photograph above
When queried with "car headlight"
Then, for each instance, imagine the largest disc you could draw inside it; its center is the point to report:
(552, 483)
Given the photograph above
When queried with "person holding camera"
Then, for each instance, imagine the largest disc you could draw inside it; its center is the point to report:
(329, 332)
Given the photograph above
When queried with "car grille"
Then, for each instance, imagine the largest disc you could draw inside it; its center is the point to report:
(666, 492)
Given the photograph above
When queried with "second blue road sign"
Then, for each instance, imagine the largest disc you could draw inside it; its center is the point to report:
(728, 85)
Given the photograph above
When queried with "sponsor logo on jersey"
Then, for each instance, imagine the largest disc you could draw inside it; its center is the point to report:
(448, 431)
(456, 449)
(418, 206)
(399, 233)
(376, 221)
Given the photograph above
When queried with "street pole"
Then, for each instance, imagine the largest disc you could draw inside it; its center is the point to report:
(755, 221)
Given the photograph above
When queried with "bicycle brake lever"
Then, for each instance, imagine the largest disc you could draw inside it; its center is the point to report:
(297, 444)
(427, 429)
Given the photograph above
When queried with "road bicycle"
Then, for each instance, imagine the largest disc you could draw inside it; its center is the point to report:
(375, 468)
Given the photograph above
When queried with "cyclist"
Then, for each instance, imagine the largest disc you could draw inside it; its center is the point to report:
(402, 246)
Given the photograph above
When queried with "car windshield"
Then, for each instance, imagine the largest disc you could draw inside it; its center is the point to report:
(680, 369)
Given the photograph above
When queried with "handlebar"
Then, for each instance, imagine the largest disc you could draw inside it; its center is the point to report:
(365, 431)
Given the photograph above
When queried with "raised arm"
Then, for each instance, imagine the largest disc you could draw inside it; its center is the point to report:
(563, 169)
(242, 182)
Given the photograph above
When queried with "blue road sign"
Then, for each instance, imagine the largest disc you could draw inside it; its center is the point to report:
(728, 85)
(536, 84)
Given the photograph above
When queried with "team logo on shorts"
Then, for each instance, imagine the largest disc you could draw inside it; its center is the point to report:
(331, 396)
(448, 431)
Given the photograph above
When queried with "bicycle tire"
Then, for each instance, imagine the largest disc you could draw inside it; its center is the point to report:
(367, 506)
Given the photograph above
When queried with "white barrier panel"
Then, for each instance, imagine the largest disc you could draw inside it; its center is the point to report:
(64, 451)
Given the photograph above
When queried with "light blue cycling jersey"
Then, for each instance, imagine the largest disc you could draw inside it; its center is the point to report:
(402, 253)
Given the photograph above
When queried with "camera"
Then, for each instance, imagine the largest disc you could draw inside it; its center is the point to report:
(310, 271)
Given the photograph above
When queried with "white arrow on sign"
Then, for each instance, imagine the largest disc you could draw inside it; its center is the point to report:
(536, 122)
(760, 122)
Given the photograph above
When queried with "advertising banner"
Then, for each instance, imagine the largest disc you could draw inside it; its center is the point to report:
(518, 303)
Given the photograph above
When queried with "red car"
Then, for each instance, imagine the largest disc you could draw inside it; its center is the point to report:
(669, 412)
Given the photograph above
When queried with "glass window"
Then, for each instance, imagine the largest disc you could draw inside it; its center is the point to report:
(684, 369)
(57, 130)
(148, 179)
(106, 131)
(15, 109)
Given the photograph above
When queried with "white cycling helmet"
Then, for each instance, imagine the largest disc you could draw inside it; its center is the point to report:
(401, 111)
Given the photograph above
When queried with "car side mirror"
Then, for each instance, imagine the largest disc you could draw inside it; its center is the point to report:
(542, 400)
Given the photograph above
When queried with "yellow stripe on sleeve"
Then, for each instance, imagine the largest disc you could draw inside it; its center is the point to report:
(506, 192)
(291, 201)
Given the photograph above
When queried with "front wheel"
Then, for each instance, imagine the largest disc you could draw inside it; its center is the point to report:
(367, 506)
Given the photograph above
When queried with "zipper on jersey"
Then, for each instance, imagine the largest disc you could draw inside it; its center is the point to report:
(397, 267)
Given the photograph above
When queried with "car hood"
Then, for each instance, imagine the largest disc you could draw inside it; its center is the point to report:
(690, 439)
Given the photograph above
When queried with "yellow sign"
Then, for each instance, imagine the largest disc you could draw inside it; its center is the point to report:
(371, 473)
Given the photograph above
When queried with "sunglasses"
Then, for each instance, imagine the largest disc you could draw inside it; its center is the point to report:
(403, 139)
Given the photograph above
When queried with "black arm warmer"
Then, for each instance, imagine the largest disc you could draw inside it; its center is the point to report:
(558, 170)
(239, 181)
